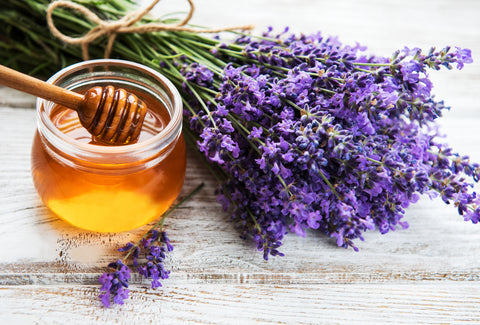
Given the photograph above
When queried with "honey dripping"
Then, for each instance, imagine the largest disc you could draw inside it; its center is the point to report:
(103, 201)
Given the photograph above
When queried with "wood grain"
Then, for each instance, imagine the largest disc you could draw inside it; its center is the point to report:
(439, 303)
(426, 274)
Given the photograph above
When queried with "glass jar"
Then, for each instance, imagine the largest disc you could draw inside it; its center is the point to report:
(110, 188)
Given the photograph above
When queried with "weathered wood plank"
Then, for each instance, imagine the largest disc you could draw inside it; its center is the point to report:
(13, 98)
(432, 303)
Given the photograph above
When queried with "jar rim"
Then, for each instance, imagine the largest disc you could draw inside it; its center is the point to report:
(171, 130)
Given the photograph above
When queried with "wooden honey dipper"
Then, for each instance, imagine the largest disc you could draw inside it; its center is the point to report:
(110, 114)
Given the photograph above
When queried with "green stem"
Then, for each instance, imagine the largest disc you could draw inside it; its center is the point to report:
(366, 64)
(257, 226)
(364, 70)
(325, 179)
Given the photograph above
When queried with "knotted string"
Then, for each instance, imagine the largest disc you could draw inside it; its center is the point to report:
(123, 25)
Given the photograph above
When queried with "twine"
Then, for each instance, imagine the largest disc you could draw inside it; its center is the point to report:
(123, 25)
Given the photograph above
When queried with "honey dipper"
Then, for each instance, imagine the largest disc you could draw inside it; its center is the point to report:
(112, 115)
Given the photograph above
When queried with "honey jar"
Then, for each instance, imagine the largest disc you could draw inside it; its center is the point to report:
(102, 187)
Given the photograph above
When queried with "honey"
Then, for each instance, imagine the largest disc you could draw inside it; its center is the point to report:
(110, 188)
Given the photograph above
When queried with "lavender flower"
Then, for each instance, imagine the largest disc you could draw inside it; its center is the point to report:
(115, 284)
(152, 246)
(463, 56)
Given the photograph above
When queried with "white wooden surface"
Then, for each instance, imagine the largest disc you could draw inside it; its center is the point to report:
(429, 273)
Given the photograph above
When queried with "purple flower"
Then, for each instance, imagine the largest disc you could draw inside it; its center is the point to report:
(198, 74)
(155, 247)
(270, 149)
(463, 56)
(115, 284)
(411, 71)
(256, 132)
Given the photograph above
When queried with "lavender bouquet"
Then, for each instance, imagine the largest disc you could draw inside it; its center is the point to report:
(301, 131)
(310, 133)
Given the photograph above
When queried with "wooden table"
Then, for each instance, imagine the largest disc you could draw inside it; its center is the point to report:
(428, 273)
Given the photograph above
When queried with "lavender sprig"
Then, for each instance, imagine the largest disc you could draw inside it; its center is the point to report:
(115, 284)
(147, 255)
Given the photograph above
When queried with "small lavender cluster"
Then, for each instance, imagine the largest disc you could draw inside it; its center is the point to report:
(115, 284)
(311, 134)
(153, 246)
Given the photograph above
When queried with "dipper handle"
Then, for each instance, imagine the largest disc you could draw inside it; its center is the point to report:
(33, 86)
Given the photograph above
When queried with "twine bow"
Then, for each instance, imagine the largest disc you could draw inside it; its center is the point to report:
(123, 25)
